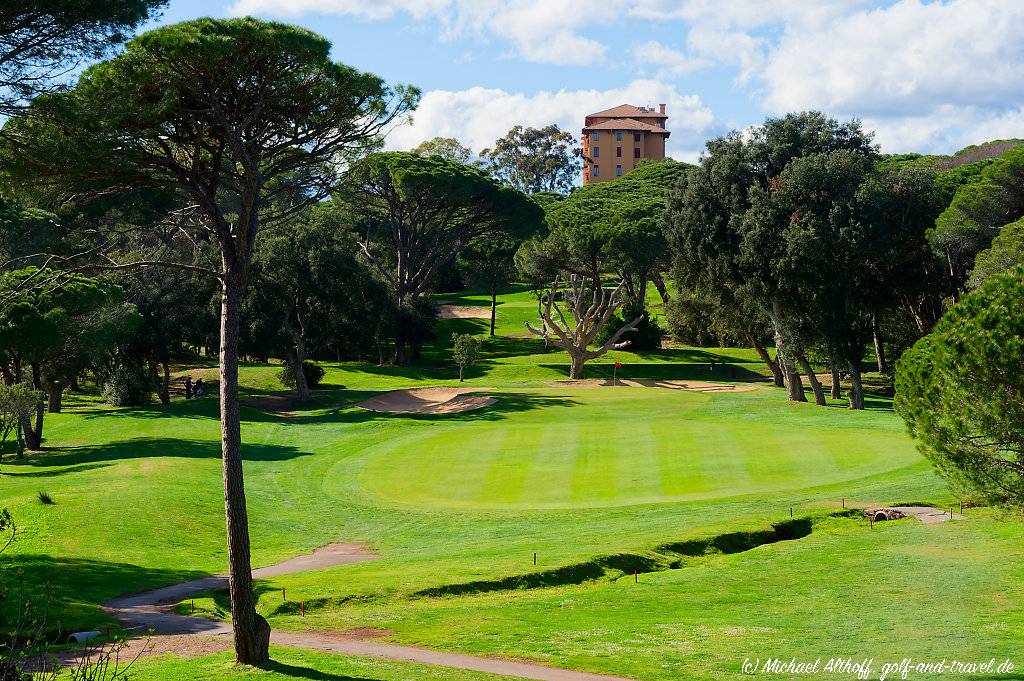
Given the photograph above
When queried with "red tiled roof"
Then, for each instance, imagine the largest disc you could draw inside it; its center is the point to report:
(626, 124)
(628, 111)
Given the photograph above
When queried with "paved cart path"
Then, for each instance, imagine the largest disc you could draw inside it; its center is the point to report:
(155, 610)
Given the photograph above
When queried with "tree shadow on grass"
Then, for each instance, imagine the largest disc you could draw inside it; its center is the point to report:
(71, 590)
(664, 371)
(79, 468)
(297, 672)
(150, 447)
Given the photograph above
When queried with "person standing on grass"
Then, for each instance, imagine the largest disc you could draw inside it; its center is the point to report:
(188, 387)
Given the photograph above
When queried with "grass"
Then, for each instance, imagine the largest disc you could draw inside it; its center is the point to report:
(292, 663)
(595, 482)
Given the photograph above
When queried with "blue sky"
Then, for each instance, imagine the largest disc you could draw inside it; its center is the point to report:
(926, 76)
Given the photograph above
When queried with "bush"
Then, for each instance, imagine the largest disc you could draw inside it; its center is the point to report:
(45, 498)
(647, 335)
(692, 321)
(313, 372)
(126, 386)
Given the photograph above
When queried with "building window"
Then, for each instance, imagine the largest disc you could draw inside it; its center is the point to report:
(636, 152)
(618, 137)
(597, 152)
(618, 152)
(597, 170)
(597, 136)
(636, 137)
(618, 171)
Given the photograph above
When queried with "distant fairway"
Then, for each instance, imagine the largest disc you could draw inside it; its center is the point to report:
(619, 446)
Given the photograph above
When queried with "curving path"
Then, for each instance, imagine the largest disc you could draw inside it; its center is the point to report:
(154, 610)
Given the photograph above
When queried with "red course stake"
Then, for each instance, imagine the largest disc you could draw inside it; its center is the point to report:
(303, 606)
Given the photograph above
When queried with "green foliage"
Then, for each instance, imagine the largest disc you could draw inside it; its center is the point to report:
(1005, 254)
(417, 319)
(126, 385)
(646, 336)
(18, 401)
(310, 291)
(692, 321)
(960, 391)
(446, 147)
(534, 160)
(313, 372)
(982, 204)
(418, 213)
(465, 351)
(42, 40)
(610, 226)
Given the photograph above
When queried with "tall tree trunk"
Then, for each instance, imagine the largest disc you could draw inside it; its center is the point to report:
(7, 375)
(494, 305)
(296, 358)
(462, 371)
(54, 393)
(252, 633)
(819, 394)
(20, 437)
(576, 368)
(790, 376)
(856, 386)
(876, 332)
(34, 433)
(837, 392)
(659, 284)
(165, 383)
(762, 352)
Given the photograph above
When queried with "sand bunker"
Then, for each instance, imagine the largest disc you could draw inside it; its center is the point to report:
(463, 312)
(694, 386)
(428, 401)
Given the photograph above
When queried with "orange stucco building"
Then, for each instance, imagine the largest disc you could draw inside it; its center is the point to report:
(616, 139)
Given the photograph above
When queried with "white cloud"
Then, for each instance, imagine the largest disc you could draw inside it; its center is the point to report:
(1004, 126)
(920, 72)
(478, 116)
(536, 28)
(670, 61)
(903, 58)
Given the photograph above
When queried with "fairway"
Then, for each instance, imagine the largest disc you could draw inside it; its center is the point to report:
(605, 447)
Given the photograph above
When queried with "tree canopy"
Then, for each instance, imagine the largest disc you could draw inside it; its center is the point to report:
(534, 159)
(960, 391)
(417, 213)
(43, 40)
(446, 147)
(608, 227)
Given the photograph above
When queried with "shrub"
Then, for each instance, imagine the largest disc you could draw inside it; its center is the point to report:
(647, 335)
(313, 372)
(126, 385)
(45, 498)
